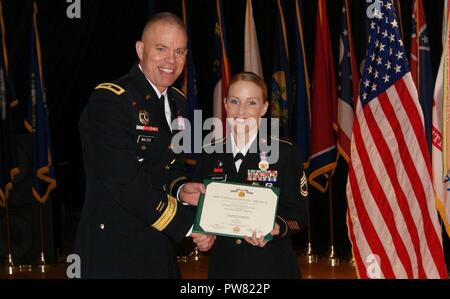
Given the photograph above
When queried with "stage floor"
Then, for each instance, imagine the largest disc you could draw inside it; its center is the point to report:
(192, 269)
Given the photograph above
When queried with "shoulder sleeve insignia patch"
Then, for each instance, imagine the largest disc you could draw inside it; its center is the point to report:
(111, 87)
(304, 185)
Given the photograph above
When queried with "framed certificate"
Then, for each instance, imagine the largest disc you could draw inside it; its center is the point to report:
(236, 210)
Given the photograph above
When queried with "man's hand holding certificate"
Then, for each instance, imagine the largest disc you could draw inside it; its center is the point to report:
(236, 210)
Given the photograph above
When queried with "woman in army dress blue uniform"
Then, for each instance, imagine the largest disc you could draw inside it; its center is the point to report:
(252, 256)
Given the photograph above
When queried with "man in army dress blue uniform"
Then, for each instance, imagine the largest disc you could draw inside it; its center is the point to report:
(137, 193)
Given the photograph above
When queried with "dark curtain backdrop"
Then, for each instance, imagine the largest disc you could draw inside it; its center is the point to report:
(80, 53)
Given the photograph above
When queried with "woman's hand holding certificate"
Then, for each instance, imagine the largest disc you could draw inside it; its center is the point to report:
(237, 210)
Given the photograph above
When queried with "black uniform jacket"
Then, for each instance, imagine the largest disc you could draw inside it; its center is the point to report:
(131, 217)
(235, 258)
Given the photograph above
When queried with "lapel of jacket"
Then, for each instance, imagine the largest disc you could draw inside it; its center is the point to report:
(250, 161)
(176, 109)
(228, 163)
(172, 104)
(149, 97)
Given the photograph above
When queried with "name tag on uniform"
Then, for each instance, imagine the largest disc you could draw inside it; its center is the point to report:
(218, 177)
(262, 175)
(145, 139)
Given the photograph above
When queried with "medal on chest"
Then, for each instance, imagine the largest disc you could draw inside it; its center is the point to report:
(263, 164)
(263, 174)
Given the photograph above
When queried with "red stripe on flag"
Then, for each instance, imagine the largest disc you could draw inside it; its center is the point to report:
(362, 273)
(378, 194)
(389, 151)
(371, 235)
(415, 119)
(432, 238)
(390, 166)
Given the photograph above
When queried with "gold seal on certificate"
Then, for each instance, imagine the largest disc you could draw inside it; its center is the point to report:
(236, 210)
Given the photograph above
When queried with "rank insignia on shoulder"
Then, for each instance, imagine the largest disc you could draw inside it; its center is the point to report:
(304, 185)
(111, 87)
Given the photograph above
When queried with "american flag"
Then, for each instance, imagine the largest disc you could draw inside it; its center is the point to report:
(393, 224)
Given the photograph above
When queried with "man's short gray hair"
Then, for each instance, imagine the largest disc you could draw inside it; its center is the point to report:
(166, 18)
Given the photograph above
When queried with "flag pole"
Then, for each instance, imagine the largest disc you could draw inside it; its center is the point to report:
(352, 261)
(310, 257)
(332, 258)
(9, 261)
(194, 254)
(42, 263)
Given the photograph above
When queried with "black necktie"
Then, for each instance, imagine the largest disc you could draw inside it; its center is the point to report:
(239, 156)
(162, 108)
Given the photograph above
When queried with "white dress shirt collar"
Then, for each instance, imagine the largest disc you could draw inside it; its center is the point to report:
(166, 102)
(158, 93)
(245, 149)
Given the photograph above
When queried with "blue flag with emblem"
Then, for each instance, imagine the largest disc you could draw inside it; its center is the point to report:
(301, 90)
(43, 168)
(189, 81)
(8, 162)
(221, 68)
(348, 84)
(281, 88)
